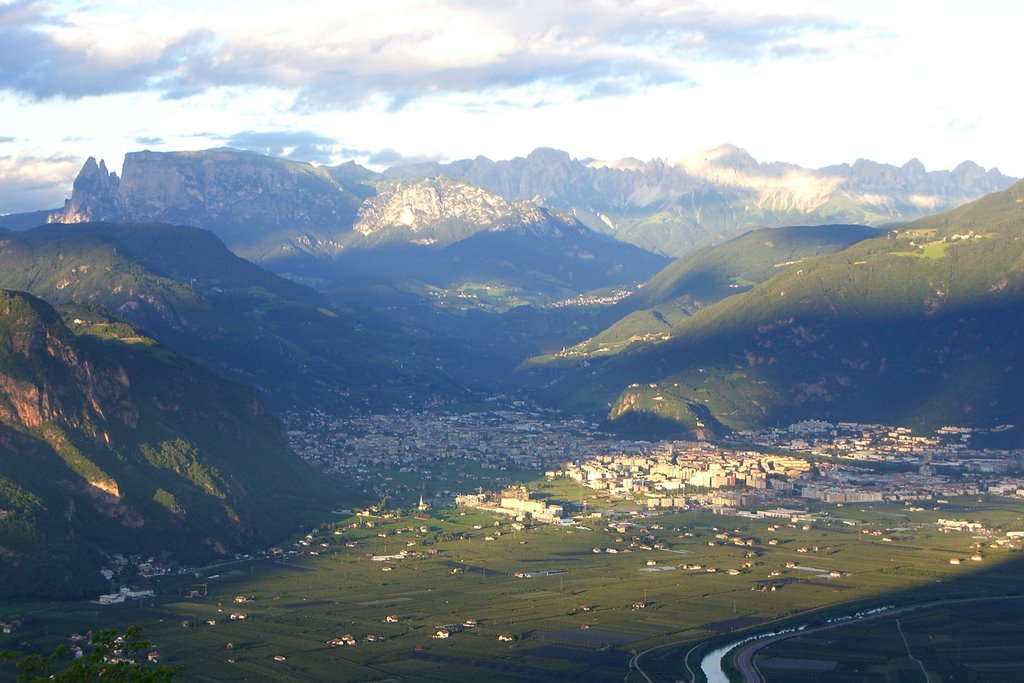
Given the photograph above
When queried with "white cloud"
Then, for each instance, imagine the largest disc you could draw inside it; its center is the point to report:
(402, 49)
(811, 82)
(29, 183)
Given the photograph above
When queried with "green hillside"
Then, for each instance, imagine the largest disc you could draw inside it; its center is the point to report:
(112, 443)
(921, 326)
(716, 272)
(711, 274)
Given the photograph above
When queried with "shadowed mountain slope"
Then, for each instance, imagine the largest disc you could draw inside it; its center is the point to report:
(112, 443)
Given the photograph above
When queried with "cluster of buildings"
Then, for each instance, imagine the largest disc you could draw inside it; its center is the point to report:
(379, 452)
(515, 503)
(855, 441)
(811, 460)
(614, 297)
(679, 466)
(682, 474)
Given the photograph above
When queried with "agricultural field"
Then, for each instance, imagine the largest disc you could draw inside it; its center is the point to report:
(576, 601)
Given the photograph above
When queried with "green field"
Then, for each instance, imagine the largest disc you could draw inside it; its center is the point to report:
(295, 604)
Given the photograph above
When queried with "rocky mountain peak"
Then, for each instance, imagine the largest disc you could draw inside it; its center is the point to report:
(914, 167)
(427, 208)
(93, 195)
(731, 155)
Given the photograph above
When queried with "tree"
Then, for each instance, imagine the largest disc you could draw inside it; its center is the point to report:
(114, 657)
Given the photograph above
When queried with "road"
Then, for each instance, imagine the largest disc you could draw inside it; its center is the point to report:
(745, 657)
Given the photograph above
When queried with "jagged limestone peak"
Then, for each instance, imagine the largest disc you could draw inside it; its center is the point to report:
(423, 206)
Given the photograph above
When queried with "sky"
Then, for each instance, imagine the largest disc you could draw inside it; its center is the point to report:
(383, 82)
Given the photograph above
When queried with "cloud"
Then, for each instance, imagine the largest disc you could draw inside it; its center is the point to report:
(298, 145)
(6, 138)
(388, 157)
(345, 89)
(149, 141)
(45, 57)
(20, 12)
(28, 183)
(395, 51)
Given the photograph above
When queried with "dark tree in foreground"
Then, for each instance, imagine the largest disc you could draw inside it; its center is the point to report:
(113, 657)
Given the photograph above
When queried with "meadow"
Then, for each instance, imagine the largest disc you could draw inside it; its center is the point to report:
(572, 613)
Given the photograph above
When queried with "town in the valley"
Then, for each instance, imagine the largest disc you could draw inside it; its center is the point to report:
(472, 458)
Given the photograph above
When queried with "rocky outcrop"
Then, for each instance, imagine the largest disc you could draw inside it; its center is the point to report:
(439, 211)
(93, 197)
(79, 396)
(225, 187)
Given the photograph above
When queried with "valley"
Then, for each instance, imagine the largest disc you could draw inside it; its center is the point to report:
(516, 445)
(569, 342)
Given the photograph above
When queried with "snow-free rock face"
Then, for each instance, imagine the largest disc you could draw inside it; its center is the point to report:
(438, 211)
(231, 188)
(448, 232)
(93, 197)
(31, 331)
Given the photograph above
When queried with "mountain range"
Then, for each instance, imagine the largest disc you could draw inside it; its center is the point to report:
(346, 224)
(271, 210)
(672, 207)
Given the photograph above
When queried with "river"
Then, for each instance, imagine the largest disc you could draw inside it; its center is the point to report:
(711, 665)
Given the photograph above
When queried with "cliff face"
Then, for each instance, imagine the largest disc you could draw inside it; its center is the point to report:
(438, 211)
(231, 188)
(78, 395)
(110, 443)
(245, 198)
(93, 197)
